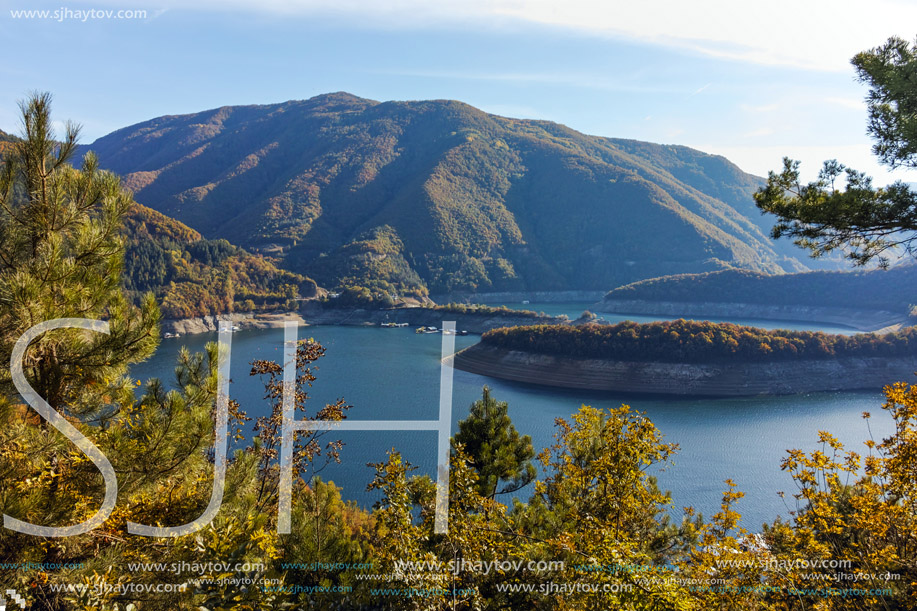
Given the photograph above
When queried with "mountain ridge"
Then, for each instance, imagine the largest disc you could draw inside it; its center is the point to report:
(191, 276)
(459, 199)
(873, 289)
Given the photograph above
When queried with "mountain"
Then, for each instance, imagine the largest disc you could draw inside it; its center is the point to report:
(891, 290)
(438, 195)
(5, 141)
(192, 276)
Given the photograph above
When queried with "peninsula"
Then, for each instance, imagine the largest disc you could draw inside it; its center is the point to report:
(691, 358)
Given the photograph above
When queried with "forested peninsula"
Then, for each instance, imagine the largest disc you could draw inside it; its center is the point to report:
(867, 300)
(691, 358)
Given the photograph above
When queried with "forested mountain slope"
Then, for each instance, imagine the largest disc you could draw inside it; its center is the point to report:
(438, 195)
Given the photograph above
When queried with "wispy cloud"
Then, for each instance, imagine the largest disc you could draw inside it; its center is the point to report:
(759, 159)
(814, 35)
(758, 109)
(758, 133)
(568, 79)
(852, 103)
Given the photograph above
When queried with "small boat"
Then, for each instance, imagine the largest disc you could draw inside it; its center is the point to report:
(170, 335)
(526, 302)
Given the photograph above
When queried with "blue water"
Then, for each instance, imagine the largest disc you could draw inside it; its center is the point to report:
(394, 374)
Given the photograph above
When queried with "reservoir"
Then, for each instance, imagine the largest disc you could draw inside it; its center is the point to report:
(393, 373)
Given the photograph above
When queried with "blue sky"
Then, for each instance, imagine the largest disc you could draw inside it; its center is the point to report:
(751, 81)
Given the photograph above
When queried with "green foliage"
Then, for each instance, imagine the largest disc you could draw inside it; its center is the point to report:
(212, 252)
(374, 260)
(6, 143)
(485, 310)
(865, 222)
(890, 290)
(439, 196)
(329, 532)
(687, 341)
(61, 257)
(191, 276)
(862, 221)
(361, 297)
(889, 70)
(496, 450)
(598, 506)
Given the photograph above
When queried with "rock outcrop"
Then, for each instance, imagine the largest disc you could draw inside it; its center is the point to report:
(207, 324)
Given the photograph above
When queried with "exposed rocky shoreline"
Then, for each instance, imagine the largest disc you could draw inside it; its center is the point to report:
(684, 379)
(861, 320)
(312, 313)
(520, 296)
(208, 324)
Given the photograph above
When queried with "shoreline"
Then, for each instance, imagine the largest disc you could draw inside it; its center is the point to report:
(243, 320)
(473, 322)
(520, 296)
(861, 320)
(728, 379)
(315, 314)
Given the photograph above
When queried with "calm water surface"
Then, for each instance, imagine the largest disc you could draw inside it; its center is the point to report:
(574, 309)
(394, 374)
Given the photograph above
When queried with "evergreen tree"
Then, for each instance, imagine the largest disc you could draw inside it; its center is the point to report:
(61, 257)
(497, 451)
(841, 210)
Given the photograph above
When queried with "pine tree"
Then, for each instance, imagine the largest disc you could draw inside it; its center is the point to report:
(841, 210)
(61, 257)
(497, 451)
